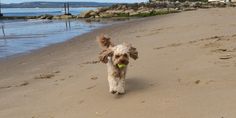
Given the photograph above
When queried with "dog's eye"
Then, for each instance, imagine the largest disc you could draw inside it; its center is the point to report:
(117, 56)
(125, 55)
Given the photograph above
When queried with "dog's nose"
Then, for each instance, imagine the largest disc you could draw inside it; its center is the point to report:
(124, 62)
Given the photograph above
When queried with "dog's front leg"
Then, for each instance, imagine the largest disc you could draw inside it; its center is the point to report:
(112, 84)
(111, 78)
(121, 86)
(121, 82)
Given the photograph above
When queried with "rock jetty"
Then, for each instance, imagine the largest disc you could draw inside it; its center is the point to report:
(151, 8)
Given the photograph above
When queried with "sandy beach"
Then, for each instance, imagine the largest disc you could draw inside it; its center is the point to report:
(186, 69)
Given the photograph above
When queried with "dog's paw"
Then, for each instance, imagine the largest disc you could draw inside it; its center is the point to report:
(113, 92)
(120, 89)
(119, 93)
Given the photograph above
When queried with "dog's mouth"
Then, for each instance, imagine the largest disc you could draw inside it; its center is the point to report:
(121, 65)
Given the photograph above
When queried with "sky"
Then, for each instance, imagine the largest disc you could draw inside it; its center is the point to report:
(121, 1)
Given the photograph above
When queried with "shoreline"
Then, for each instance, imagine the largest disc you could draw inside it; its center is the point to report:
(61, 43)
(115, 23)
(57, 31)
(186, 69)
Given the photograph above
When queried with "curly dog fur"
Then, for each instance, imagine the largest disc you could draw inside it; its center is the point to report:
(113, 55)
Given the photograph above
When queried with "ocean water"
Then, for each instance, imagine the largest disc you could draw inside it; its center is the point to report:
(23, 36)
(40, 11)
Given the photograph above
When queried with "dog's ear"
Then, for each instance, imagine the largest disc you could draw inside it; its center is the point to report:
(103, 56)
(104, 41)
(133, 53)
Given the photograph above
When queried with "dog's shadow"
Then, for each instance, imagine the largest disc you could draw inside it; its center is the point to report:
(136, 85)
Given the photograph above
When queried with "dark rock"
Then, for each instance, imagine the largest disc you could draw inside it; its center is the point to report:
(46, 16)
(85, 14)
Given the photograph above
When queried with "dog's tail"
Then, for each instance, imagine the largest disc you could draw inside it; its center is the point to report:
(104, 41)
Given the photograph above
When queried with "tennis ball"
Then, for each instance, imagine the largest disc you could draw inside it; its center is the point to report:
(121, 65)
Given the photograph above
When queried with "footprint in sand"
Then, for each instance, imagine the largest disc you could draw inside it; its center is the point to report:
(91, 87)
(47, 75)
(5, 87)
(170, 45)
(94, 78)
(197, 81)
(224, 57)
(210, 81)
(158, 48)
(57, 71)
(22, 84)
(175, 45)
(25, 83)
(70, 76)
(91, 62)
(220, 50)
(81, 101)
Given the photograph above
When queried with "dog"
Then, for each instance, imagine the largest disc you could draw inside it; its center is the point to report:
(116, 57)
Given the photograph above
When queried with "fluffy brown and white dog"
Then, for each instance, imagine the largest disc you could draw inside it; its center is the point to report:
(116, 57)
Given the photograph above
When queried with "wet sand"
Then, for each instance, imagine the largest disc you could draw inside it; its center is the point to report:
(186, 69)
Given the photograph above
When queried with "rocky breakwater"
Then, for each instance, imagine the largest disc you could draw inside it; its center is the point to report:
(149, 9)
(126, 10)
(51, 17)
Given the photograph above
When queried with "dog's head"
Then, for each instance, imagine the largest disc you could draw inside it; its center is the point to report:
(122, 53)
(119, 54)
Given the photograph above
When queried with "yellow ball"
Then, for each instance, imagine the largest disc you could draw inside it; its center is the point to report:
(121, 65)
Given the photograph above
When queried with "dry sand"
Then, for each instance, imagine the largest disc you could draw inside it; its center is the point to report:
(186, 69)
